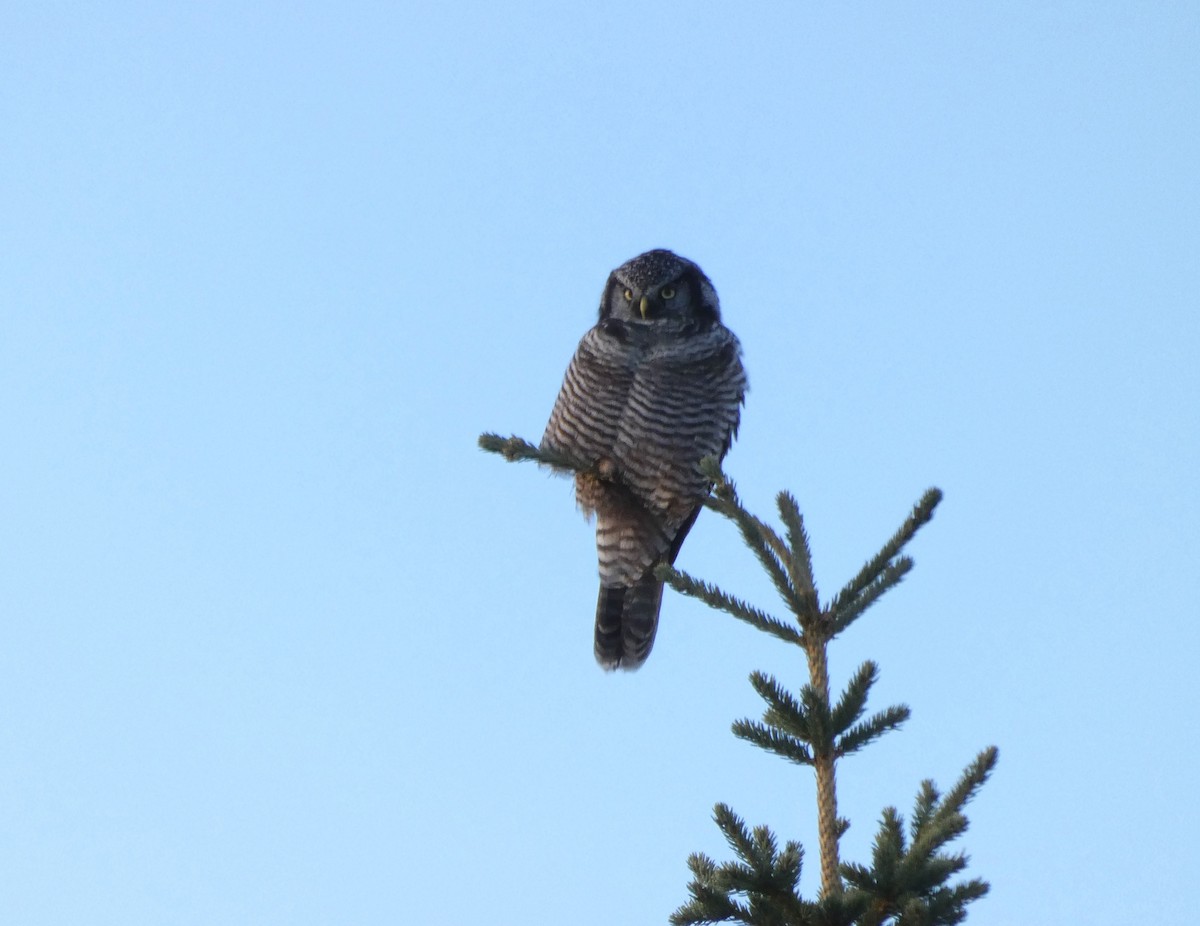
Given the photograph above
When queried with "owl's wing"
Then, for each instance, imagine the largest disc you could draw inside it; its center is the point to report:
(595, 391)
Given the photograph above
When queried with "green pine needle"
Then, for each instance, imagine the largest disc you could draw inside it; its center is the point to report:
(799, 562)
(848, 610)
(517, 450)
(736, 834)
(511, 448)
(973, 778)
(820, 720)
(924, 807)
(773, 740)
(759, 536)
(854, 699)
(888, 849)
(945, 821)
(909, 883)
(783, 712)
(716, 598)
(770, 549)
(921, 514)
(759, 890)
(871, 729)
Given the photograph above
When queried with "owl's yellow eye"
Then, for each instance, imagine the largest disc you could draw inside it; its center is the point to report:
(628, 295)
(667, 292)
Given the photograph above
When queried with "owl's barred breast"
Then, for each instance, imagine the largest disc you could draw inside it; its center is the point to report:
(654, 402)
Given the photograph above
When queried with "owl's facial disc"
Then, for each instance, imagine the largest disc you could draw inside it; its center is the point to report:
(655, 302)
(659, 286)
(653, 287)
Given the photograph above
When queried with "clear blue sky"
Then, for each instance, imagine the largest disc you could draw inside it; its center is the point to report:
(279, 645)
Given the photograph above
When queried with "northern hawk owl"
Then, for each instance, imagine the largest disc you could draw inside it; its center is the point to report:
(653, 388)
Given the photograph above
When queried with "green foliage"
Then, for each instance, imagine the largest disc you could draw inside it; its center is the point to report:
(760, 888)
(908, 880)
(773, 740)
(787, 560)
(906, 883)
(790, 726)
(876, 568)
(517, 449)
(715, 598)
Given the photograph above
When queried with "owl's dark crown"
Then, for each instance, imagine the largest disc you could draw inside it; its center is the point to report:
(657, 266)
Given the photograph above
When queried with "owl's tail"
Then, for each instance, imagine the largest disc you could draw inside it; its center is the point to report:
(626, 621)
(627, 614)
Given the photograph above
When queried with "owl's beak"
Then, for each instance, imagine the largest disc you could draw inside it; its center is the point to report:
(645, 307)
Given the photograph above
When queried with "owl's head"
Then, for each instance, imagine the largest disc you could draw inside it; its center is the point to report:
(657, 286)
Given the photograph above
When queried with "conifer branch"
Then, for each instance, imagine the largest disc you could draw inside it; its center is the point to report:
(725, 501)
(764, 543)
(869, 730)
(715, 598)
(710, 901)
(783, 711)
(924, 807)
(517, 449)
(854, 699)
(734, 828)
(921, 514)
(846, 612)
(887, 850)
(945, 821)
(972, 780)
(799, 560)
(764, 876)
(762, 539)
(943, 829)
(773, 740)
(908, 883)
(819, 719)
(725, 490)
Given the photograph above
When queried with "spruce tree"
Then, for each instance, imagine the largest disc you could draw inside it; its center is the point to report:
(909, 878)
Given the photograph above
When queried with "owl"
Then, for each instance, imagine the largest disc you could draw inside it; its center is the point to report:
(653, 388)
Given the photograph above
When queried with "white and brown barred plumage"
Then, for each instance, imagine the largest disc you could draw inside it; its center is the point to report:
(654, 387)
